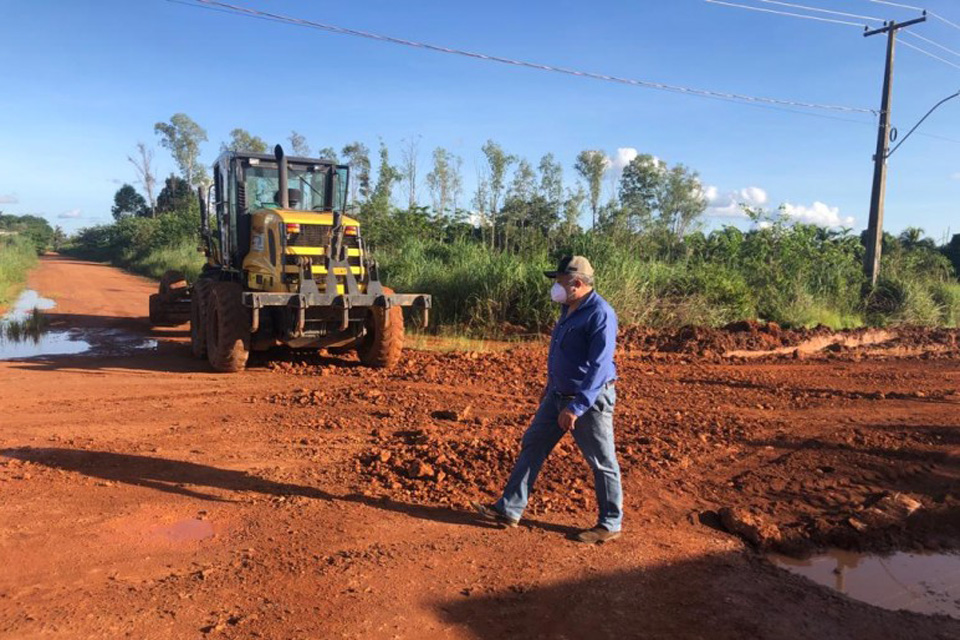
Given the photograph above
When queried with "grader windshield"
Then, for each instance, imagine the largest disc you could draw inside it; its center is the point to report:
(321, 187)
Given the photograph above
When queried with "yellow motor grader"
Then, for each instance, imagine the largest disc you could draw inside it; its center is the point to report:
(285, 266)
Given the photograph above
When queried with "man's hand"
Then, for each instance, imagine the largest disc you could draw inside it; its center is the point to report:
(567, 420)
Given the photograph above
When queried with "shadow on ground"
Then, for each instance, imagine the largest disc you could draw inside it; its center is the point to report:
(726, 596)
(191, 479)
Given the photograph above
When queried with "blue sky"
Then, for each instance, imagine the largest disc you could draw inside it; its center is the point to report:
(82, 82)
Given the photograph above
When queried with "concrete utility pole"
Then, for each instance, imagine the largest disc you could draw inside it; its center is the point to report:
(871, 260)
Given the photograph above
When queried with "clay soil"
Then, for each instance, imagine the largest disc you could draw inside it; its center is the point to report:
(143, 496)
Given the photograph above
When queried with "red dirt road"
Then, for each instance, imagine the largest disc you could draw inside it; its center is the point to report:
(143, 496)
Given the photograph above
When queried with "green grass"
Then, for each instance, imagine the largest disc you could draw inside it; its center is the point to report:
(947, 296)
(147, 246)
(792, 274)
(794, 281)
(29, 328)
(813, 316)
(17, 256)
(184, 257)
(450, 341)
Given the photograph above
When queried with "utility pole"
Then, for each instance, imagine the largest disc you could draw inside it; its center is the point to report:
(871, 260)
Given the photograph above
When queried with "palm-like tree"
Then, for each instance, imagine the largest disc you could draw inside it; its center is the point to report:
(911, 237)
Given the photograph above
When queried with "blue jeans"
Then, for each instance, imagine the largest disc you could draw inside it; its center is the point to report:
(594, 435)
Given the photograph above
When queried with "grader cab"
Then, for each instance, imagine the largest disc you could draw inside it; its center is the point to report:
(285, 266)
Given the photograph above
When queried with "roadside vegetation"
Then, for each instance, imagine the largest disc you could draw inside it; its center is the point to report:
(30, 327)
(22, 239)
(148, 246)
(482, 255)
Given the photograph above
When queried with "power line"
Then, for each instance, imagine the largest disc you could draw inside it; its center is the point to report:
(933, 42)
(777, 105)
(896, 4)
(819, 10)
(944, 20)
(922, 120)
(927, 53)
(913, 131)
(937, 137)
(785, 13)
(913, 8)
(705, 93)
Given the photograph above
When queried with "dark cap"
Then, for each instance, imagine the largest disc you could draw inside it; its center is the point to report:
(572, 265)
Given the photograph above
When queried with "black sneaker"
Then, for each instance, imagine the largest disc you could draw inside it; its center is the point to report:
(490, 513)
(597, 535)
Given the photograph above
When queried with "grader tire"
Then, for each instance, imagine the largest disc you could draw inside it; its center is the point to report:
(198, 316)
(228, 328)
(383, 343)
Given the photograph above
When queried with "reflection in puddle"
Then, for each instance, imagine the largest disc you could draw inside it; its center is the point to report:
(26, 303)
(51, 343)
(191, 530)
(24, 334)
(924, 583)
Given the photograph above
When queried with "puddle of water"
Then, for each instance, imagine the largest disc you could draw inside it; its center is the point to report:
(38, 341)
(191, 530)
(923, 583)
(51, 343)
(26, 303)
(24, 344)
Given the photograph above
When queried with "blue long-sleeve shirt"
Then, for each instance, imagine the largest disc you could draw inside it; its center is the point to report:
(581, 352)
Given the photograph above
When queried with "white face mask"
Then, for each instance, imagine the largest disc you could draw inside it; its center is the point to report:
(557, 293)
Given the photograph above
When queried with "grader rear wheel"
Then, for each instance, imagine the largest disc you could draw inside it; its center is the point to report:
(383, 342)
(228, 328)
(198, 315)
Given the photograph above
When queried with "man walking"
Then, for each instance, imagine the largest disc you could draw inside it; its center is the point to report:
(579, 396)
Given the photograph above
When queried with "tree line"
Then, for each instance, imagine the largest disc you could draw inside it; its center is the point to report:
(517, 206)
(516, 203)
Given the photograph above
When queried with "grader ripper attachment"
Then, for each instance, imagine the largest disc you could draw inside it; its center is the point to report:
(285, 266)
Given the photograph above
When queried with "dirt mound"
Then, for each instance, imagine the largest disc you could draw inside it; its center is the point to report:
(749, 339)
(424, 467)
(706, 342)
(911, 336)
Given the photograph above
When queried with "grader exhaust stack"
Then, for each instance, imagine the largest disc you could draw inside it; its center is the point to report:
(282, 177)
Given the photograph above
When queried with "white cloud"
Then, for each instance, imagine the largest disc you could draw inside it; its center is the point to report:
(72, 214)
(730, 204)
(477, 219)
(9, 198)
(955, 176)
(622, 158)
(818, 213)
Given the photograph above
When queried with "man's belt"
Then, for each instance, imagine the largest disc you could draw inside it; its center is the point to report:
(571, 396)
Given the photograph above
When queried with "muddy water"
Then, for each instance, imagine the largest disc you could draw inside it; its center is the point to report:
(43, 342)
(924, 583)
